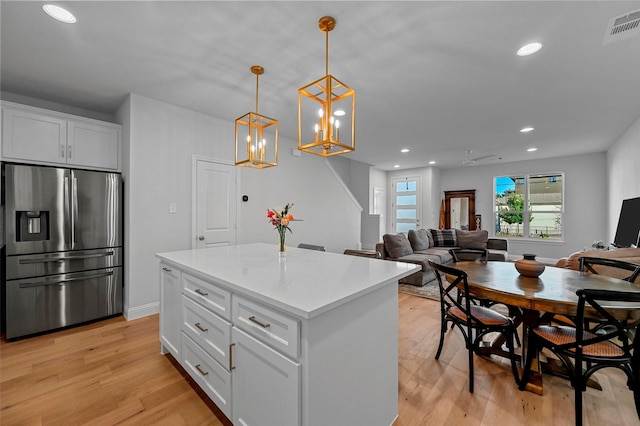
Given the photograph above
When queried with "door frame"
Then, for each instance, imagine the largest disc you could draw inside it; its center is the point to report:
(194, 179)
(391, 200)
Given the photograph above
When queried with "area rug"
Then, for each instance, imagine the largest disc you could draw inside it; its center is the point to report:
(428, 291)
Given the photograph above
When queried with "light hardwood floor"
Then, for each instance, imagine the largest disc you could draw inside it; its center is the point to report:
(111, 372)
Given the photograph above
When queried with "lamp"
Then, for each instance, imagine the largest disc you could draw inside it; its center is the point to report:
(326, 110)
(256, 136)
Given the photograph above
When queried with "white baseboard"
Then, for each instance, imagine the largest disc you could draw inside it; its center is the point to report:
(142, 311)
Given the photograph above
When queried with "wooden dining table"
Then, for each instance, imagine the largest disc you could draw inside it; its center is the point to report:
(553, 292)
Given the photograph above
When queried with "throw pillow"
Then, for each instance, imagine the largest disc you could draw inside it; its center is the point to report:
(397, 245)
(444, 237)
(472, 239)
(419, 239)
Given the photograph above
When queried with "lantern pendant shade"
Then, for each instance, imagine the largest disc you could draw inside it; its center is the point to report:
(256, 142)
(326, 111)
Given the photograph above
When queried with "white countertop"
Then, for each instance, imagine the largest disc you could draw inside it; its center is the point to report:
(306, 284)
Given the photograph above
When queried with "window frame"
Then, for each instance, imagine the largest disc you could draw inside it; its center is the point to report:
(528, 208)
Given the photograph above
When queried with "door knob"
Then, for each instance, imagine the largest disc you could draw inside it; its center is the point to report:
(201, 237)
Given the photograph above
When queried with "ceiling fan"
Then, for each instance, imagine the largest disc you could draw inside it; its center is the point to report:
(468, 161)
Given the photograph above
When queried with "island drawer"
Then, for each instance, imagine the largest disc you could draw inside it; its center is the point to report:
(268, 325)
(207, 329)
(214, 379)
(209, 295)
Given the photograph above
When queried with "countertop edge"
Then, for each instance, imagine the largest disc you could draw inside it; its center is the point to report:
(293, 310)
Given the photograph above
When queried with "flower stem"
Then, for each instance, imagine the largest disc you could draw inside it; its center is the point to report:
(283, 233)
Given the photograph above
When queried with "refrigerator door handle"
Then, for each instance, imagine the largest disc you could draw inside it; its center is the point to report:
(66, 280)
(74, 207)
(67, 209)
(63, 259)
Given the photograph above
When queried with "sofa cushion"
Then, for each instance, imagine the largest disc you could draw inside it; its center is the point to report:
(444, 237)
(440, 255)
(420, 239)
(472, 239)
(397, 245)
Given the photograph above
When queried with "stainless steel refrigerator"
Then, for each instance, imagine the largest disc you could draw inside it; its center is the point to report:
(63, 254)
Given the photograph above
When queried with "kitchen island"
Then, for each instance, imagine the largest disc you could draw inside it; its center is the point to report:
(310, 339)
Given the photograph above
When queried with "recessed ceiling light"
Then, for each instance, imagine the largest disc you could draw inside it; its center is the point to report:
(339, 113)
(62, 15)
(395, 166)
(529, 49)
(532, 149)
(526, 130)
(404, 150)
(432, 162)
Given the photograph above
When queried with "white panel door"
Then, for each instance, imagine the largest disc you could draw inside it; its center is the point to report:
(170, 315)
(265, 384)
(215, 204)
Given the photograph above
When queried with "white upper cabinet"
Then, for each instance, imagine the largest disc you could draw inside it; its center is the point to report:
(35, 135)
(94, 144)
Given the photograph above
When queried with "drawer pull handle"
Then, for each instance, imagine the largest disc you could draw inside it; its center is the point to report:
(200, 327)
(204, 373)
(261, 324)
(201, 293)
(166, 269)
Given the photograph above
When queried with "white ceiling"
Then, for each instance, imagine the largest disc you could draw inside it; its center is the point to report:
(437, 77)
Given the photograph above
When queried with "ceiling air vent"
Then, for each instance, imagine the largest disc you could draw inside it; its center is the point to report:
(623, 27)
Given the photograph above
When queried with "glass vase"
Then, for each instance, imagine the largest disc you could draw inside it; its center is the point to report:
(282, 246)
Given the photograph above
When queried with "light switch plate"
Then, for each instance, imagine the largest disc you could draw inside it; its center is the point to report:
(173, 208)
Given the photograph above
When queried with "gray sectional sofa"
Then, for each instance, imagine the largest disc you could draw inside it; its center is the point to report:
(420, 246)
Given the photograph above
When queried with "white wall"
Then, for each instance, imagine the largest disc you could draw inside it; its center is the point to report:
(159, 141)
(623, 174)
(585, 214)
(329, 215)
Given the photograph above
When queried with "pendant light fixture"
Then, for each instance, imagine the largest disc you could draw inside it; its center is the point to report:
(326, 110)
(256, 136)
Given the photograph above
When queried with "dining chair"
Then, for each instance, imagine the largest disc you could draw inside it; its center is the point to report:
(582, 352)
(587, 265)
(482, 255)
(474, 321)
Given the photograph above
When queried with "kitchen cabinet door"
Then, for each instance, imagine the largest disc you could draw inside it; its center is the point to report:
(170, 311)
(93, 144)
(265, 384)
(29, 135)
